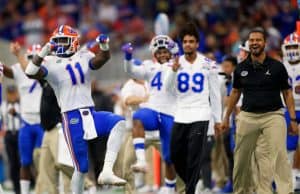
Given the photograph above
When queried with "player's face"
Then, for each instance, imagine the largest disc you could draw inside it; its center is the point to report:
(189, 44)
(256, 43)
(162, 55)
(227, 67)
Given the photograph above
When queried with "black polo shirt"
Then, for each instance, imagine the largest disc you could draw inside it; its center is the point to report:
(50, 111)
(261, 84)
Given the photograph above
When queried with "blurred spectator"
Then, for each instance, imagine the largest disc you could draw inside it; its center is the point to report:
(10, 111)
(107, 13)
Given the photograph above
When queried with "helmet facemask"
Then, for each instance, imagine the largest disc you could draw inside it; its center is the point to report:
(291, 53)
(66, 41)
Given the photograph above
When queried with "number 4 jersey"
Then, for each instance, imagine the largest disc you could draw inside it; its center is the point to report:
(70, 79)
(198, 90)
(160, 99)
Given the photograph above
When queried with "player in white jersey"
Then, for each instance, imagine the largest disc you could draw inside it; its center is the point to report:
(194, 78)
(291, 61)
(157, 112)
(31, 132)
(68, 71)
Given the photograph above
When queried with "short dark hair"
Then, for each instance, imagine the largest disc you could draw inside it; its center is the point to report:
(259, 30)
(231, 59)
(189, 29)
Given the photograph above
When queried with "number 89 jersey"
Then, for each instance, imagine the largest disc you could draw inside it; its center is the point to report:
(70, 79)
(198, 90)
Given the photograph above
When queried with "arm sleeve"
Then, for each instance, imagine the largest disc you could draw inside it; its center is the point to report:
(134, 71)
(215, 95)
(169, 80)
(284, 78)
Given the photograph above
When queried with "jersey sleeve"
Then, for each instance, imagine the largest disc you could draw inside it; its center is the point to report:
(16, 71)
(215, 93)
(89, 56)
(135, 71)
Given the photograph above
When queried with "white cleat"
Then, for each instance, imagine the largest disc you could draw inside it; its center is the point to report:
(166, 190)
(139, 167)
(108, 178)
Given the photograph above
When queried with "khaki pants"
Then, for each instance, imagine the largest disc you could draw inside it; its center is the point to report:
(49, 168)
(263, 135)
(282, 176)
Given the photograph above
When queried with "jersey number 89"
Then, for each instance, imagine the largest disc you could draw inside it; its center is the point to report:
(183, 82)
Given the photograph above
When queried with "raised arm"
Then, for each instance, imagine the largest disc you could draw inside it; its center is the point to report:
(33, 69)
(130, 67)
(104, 55)
(15, 49)
(169, 80)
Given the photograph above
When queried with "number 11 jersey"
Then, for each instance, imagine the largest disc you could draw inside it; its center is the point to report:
(70, 79)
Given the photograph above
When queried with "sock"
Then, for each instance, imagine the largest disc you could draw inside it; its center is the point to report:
(77, 182)
(25, 186)
(138, 179)
(114, 143)
(170, 184)
(139, 146)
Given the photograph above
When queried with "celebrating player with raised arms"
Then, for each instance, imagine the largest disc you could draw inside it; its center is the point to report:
(157, 112)
(68, 71)
(31, 132)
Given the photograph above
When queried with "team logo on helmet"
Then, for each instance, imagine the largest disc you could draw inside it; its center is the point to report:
(158, 42)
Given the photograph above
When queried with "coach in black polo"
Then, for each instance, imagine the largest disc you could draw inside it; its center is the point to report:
(261, 128)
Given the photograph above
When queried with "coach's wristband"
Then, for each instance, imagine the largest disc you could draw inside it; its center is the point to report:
(293, 120)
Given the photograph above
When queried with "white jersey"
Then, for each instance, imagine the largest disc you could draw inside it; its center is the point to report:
(131, 88)
(198, 90)
(160, 99)
(294, 79)
(30, 92)
(70, 79)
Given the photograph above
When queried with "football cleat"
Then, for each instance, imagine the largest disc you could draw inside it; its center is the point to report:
(108, 178)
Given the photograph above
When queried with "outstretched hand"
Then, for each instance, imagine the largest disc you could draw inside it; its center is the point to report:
(15, 48)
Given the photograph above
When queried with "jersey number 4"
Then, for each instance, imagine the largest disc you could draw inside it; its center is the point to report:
(183, 82)
(69, 68)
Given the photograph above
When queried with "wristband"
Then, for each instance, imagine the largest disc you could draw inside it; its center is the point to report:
(293, 120)
(104, 46)
(32, 69)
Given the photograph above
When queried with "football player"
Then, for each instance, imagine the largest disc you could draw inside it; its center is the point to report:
(31, 132)
(194, 78)
(68, 71)
(157, 112)
(291, 59)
